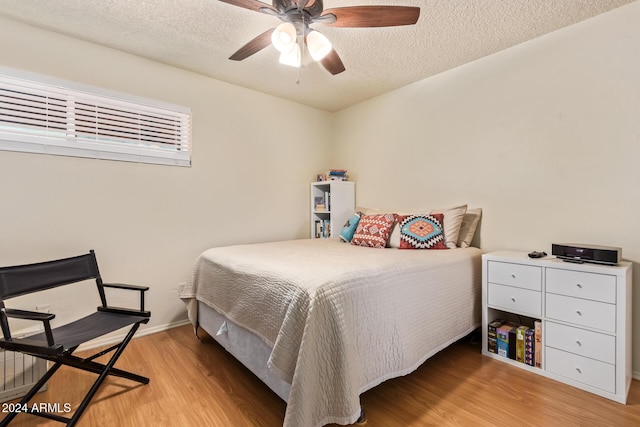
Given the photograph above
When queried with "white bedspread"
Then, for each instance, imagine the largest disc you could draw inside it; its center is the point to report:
(340, 318)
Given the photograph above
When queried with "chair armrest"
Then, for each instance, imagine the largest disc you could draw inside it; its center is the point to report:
(128, 311)
(29, 315)
(33, 315)
(126, 286)
(141, 289)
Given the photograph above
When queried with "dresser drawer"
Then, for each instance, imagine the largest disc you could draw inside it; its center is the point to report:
(598, 315)
(516, 300)
(582, 369)
(593, 286)
(590, 344)
(518, 275)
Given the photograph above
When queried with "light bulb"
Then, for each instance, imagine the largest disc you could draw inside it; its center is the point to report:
(293, 58)
(284, 37)
(318, 44)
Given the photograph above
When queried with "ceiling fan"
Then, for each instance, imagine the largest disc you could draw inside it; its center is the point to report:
(297, 15)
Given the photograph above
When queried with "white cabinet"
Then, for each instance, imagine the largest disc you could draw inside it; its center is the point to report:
(585, 311)
(332, 203)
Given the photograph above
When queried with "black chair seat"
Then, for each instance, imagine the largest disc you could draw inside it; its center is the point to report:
(88, 328)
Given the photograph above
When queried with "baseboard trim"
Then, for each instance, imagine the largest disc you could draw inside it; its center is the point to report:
(635, 375)
(141, 333)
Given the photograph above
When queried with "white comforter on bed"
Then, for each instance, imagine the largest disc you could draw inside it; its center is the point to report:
(340, 318)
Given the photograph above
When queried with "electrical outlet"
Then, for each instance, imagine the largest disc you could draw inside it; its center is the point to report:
(43, 308)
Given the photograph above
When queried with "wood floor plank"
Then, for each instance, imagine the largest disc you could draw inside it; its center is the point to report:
(197, 383)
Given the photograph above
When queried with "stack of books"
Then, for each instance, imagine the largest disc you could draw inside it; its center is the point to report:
(334, 175)
(518, 342)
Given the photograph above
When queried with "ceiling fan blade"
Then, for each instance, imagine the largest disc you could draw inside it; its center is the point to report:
(255, 45)
(314, 7)
(372, 16)
(254, 5)
(333, 63)
(305, 3)
(282, 5)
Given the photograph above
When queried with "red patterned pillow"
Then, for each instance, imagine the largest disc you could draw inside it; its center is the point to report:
(373, 230)
(421, 231)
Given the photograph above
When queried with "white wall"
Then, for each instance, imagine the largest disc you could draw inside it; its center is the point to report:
(249, 181)
(545, 137)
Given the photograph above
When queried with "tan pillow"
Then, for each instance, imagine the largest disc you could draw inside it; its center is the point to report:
(468, 227)
(452, 222)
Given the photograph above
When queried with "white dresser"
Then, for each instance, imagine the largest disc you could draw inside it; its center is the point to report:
(585, 310)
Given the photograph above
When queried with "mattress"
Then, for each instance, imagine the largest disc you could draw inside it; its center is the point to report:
(339, 319)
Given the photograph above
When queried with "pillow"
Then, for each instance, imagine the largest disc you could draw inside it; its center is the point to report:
(394, 237)
(452, 223)
(468, 228)
(421, 231)
(350, 227)
(373, 230)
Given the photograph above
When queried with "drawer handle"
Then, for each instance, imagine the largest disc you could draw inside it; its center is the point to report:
(578, 312)
(579, 343)
(513, 276)
(579, 370)
(513, 299)
(579, 285)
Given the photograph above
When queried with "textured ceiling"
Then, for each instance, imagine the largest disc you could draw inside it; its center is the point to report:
(199, 35)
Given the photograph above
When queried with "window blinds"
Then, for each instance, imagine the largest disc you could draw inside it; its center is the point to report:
(39, 116)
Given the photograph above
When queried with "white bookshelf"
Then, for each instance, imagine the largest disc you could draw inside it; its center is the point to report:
(339, 200)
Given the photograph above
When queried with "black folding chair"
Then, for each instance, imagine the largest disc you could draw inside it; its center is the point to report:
(58, 344)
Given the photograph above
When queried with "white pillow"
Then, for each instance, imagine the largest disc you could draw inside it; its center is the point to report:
(468, 227)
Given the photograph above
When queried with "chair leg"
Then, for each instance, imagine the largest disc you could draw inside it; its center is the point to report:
(105, 372)
(97, 368)
(25, 400)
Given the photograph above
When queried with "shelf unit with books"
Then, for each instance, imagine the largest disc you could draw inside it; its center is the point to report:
(332, 203)
(580, 315)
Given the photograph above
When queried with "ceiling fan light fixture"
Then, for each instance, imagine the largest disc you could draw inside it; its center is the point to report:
(284, 37)
(292, 58)
(318, 44)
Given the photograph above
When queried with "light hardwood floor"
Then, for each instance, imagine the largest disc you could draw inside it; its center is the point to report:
(196, 383)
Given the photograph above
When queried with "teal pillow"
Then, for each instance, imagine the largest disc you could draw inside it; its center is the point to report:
(350, 227)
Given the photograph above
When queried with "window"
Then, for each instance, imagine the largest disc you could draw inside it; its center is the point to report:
(44, 115)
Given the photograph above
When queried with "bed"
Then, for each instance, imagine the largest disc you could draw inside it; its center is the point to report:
(321, 321)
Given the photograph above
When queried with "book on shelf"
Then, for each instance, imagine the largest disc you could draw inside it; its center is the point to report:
(502, 339)
(537, 326)
(492, 338)
(521, 332)
(512, 341)
(322, 228)
(529, 347)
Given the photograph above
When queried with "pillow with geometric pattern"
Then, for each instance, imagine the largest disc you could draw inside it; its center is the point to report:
(421, 231)
(346, 234)
(373, 230)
